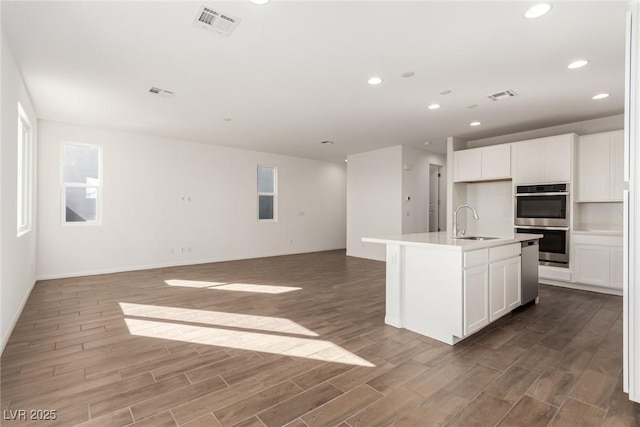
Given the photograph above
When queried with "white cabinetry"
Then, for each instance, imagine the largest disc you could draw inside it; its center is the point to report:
(491, 285)
(616, 261)
(600, 167)
(504, 280)
(467, 165)
(592, 264)
(504, 287)
(475, 293)
(544, 160)
(438, 286)
(598, 260)
(482, 164)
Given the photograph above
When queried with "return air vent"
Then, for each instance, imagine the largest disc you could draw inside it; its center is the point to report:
(499, 96)
(161, 92)
(218, 22)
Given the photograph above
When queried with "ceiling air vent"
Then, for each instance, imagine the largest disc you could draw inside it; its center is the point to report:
(160, 92)
(218, 22)
(502, 95)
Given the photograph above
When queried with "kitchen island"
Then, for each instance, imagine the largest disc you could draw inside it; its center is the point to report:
(449, 288)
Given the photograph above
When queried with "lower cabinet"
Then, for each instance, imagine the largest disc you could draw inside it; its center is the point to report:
(476, 304)
(491, 285)
(598, 261)
(504, 287)
(592, 264)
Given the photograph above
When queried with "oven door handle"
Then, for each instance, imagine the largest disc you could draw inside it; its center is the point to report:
(540, 227)
(541, 194)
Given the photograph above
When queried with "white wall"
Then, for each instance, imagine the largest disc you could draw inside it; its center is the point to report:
(598, 216)
(456, 192)
(378, 184)
(374, 205)
(415, 184)
(494, 203)
(17, 273)
(145, 222)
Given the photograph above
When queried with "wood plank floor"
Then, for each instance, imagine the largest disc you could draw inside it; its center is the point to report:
(300, 340)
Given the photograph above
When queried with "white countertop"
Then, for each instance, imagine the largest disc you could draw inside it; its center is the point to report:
(444, 239)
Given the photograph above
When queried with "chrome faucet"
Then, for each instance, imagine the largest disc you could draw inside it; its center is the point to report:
(455, 219)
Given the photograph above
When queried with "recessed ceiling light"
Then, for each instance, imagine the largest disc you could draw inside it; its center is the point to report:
(537, 10)
(475, 124)
(600, 96)
(433, 106)
(408, 74)
(577, 64)
(374, 81)
(427, 143)
(260, 2)
(227, 119)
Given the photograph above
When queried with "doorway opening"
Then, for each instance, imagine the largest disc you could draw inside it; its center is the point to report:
(435, 197)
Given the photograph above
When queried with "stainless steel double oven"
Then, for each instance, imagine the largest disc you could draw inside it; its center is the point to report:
(545, 209)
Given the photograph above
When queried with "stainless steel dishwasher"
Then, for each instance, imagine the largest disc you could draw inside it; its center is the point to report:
(529, 271)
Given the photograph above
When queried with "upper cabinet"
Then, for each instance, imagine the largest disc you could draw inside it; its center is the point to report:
(482, 164)
(600, 167)
(544, 160)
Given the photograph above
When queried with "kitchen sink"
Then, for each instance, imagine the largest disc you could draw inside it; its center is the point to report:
(475, 238)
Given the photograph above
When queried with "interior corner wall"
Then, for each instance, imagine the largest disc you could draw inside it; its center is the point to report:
(415, 188)
(169, 202)
(18, 255)
(456, 192)
(374, 208)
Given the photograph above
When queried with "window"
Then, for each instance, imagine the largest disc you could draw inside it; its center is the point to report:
(267, 193)
(25, 172)
(81, 183)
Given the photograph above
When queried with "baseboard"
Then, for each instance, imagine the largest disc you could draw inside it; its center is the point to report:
(167, 265)
(15, 319)
(581, 287)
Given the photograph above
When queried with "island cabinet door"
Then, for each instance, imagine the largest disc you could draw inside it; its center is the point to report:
(476, 305)
(504, 287)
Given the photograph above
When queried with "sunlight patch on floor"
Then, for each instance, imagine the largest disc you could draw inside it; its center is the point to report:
(239, 287)
(216, 318)
(245, 340)
(192, 283)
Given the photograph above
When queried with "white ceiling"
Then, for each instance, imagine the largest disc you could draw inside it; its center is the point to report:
(294, 73)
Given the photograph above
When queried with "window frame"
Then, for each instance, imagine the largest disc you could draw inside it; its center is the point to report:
(25, 179)
(274, 194)
(64, 185)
